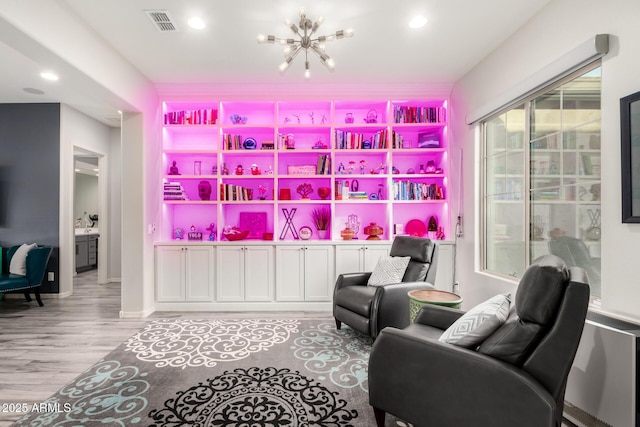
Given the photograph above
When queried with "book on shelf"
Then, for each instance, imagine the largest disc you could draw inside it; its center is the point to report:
(408, 114)
(205, 116)
(407, 190)
(231, 192)
(324, 165)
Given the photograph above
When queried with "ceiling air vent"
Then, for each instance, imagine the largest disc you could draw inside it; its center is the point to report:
(162, 20)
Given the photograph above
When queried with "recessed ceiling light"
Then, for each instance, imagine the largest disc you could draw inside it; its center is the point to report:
(418, 21)
(196, 23)
(33, 90)
(48, 75)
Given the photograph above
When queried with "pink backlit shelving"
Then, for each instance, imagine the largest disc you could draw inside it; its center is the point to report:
(382, 152)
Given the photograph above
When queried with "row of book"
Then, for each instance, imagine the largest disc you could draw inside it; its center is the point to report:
(174, 191)
(230, 192)
(232, 142)
(355, 141)
(405, 114)
(407, 190)
(324, 165)
(206, 116)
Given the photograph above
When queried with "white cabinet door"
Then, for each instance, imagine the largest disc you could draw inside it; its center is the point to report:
(170, 275)
(348, 259)
(230, 273)
(444, 274)
(319, 273)
(259, 273)
(290, 273)
(199, 275)
(372, 254)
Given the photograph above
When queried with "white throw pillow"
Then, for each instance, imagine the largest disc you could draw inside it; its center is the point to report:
(388, 270)
(478, 323)
(18, 263)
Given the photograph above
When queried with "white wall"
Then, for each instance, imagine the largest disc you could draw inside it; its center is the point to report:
(115, 206)
(561, 26)
(79, 130)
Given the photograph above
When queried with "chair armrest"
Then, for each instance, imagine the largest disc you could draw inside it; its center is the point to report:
(352, 279)
(438, 316)
(427, 382)
(390, 306)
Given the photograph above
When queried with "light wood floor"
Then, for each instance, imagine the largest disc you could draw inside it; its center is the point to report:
(44, 348)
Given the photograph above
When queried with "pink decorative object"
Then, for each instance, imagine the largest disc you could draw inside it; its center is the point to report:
(324, 192)
(254, 222)
(416, 228)
(235, 234)
(304, 190)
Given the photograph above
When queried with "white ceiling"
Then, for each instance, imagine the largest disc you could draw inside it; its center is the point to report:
(458, 34)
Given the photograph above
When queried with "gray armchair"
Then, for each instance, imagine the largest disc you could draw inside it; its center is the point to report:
(369, 309)
(517, 376)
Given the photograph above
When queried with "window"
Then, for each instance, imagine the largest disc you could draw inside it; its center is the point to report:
(541, 170)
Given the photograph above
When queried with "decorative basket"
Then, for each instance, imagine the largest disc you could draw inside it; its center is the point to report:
(236, 236)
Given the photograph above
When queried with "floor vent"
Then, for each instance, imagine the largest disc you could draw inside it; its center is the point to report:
(162, 20)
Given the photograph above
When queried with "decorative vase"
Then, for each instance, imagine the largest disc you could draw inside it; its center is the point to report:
(374, 231)
(324, 192)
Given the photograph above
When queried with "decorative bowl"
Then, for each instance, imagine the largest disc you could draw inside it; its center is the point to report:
(236, 236)
(324, 192)
(347, 234)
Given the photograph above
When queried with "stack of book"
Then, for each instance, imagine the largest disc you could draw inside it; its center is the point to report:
(358, 195)
(174, 191)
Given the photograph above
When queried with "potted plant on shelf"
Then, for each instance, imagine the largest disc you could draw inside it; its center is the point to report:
(321, 218)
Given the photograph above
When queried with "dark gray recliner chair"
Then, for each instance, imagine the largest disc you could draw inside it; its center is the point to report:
(369, 309)
(575, 253)
(516, 377)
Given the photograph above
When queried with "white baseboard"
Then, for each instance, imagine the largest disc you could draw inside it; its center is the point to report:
(137, 314)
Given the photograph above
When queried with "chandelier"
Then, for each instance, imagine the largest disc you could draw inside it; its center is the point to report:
(306, 42)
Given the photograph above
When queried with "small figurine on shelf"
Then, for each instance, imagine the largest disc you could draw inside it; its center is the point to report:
(304, 190)
(212, 232)
(297, 116)
(395, 170)
(214, 170)
(173, 170)
(269, 170)
(239, 170)
(204, 190)
(432, 227)
(225, 171)
(351, 166)
(431, 167)
(324, 119)
(422, 169)
(440, 234)
(262, 190)
(178, 233)
(362, 166)
(255, 170)
(287, 120)
(341, 168)
(311, 115)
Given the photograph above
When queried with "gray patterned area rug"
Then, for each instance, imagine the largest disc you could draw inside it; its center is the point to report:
(240, 373)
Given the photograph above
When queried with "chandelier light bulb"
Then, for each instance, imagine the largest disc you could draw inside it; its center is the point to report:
(283, 67)
(307, 72)
(261, 38)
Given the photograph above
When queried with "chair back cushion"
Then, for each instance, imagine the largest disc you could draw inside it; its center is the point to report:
(421, 252)
(538, 297)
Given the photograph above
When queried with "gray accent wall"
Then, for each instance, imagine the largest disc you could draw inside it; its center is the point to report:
(30, 180)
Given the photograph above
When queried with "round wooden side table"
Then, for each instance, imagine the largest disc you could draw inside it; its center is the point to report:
(420, 297)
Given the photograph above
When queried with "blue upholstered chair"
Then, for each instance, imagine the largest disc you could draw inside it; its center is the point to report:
(37, 260)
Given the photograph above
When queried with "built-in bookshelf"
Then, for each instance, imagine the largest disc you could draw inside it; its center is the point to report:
(250, 165)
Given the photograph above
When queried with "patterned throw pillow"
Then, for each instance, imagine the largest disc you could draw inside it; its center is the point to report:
(388, 270)
(478, 323)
